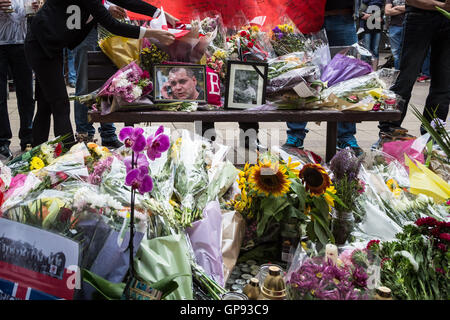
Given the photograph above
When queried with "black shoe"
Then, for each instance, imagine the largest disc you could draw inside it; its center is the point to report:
(114, 144)
(5, 153)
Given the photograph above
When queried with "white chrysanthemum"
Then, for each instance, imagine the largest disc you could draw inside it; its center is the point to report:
(137, 92)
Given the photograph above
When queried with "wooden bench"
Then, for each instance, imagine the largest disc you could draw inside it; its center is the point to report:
(100, 69)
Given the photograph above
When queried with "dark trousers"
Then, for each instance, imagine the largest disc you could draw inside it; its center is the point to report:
(423, 30)
(51, 94)
(14, 56)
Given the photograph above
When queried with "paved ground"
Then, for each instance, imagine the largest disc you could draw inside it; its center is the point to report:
(272, 133)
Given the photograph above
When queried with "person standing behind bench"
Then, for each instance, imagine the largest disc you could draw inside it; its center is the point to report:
(85, 130)
(63, 24)
(13, 28)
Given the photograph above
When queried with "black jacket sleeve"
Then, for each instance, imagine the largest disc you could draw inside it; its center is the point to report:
(103, 17)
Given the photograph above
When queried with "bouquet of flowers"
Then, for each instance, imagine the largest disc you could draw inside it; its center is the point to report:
(416, 265)
(38, 157)
(215, 26)
(314, 276)
(285, 39)
(129, 83)
(365, 93)
(151, 55)
(249, 43)
(275, 191)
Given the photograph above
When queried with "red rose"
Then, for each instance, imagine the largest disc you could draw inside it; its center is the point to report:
(243, 33)
(250, 45)
(58, 149)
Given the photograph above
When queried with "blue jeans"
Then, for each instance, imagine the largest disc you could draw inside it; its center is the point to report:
(422, 31)
(371, 42)
(71, 72)
(395, 37)
(341, 31)
(13, 55)
(107, 130)
(426, 65)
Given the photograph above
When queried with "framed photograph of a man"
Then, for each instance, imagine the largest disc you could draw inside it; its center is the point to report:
(179, 82)
(246, 84)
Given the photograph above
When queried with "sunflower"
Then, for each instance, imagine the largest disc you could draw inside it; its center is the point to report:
(292, 166)
(328, 198)
(315, 178)
(270, 179)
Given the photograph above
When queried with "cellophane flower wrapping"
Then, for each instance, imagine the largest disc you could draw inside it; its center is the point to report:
(313, 276)
(129, 83)
(365, 93)
(120, 50)
(343, 67)
(233, 231)
(206, 239)
(164, 256)
(191, 177)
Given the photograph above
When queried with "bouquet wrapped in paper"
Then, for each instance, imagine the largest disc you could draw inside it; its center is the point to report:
(120, 50)
(250, 44)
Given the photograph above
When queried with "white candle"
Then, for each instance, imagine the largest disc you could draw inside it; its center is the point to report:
(331, 253)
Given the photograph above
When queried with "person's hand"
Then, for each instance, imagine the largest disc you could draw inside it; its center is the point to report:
(447, 5)
(164, 92)
(366, 16)
(117, 12)
(165, 37)
(5, 4)
(171, 20)
(400, 9)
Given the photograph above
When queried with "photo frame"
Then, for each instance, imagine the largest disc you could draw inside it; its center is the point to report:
(246, 84)
(179, 83)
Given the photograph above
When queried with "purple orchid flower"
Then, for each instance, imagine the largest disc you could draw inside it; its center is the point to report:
(140, 180)
(133, 138)
(157, 144)
(141, 161)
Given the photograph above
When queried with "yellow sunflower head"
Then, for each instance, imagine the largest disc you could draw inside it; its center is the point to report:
(292, 166)
(315, 178)
(270, 179)
(328, 198)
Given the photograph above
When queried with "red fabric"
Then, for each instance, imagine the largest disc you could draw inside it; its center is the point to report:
(213, 87)
(308, 15)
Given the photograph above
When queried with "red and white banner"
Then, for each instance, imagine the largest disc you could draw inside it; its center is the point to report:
(308, 15)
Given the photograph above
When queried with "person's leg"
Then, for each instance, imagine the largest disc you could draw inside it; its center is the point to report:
(375, 47)
(426, 65)
(296, 134)
(52, 94)
(341, 31)
(23, 77)
(395, 37)
(439, 96)
(417, 31)
(81, 111)
(72, 74)
(5, 128)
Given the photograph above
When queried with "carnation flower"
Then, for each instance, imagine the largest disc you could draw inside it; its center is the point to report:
(428, 221)
(442, 247)
(374, 243)
(445, 236)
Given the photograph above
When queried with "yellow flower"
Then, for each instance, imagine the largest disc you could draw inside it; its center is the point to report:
(319, 275)
(292, 166)
(270, 179)
(315, 178)
(255, 28)
(304, 246)
(36, 163)
(328, 198)
(92, 145)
